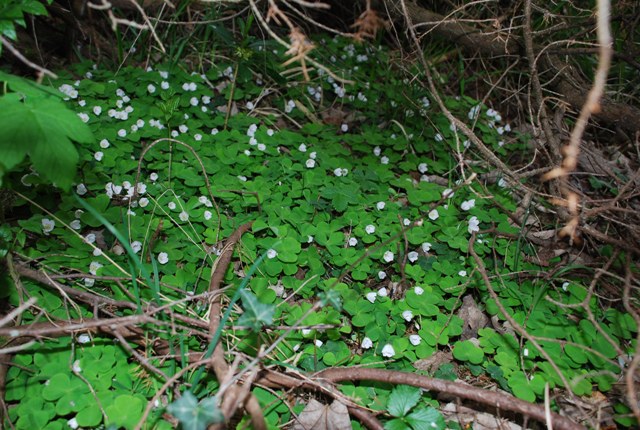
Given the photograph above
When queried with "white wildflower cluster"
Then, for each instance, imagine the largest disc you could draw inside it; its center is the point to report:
(340, 172)
(69, 91)
(189, 86)
(227, 73)
(126, 190)
(289, 106)
(315, 92)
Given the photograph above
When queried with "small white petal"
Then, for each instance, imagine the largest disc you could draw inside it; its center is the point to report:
(388, 351)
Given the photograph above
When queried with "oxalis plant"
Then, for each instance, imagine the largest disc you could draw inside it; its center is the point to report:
(202, 232)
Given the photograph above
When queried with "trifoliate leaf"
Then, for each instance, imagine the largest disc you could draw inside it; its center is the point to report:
(193, 415)
(255, 314)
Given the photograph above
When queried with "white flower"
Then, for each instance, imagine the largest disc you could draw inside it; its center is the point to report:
(414, 339)
(143, 202)
(491, 113)
(97, 110)
(565, 285)
(423, 168)
(90, 238)
(462, 273)
(306, 331)
(310, 239)
(84, 338)
(372, 296)
(525, 352)
(78, 213)
(136, 246)
(366, 343)
(370, 229)
(310, 163)
(271, 253)
(183, 128)
(153, 176)
(122, 132)
(94, 267)
(97, 252)
(313, 155)
(418, 290)
(473, 112)
(89, 282)
(380, 205)
(318, 343)
(412, 256)
(68, 91)
(172, 205)
(47, 225)
(439, 137)
(384, 160)
(353, 241)
(207, 215)
(337, 171)
(151, 88)
(388, 256)
(507, 128)
(262, 147)
(163, 258)
(214, 131)
(407, 315)
(502, 183)
(163, 74)
(250, 105)
(377, 151)
(73, 423)
(388, 351)
(184, 216)
(468, 204)
(75, 224)
(198, 137)
(406, 221)
(434, 215)
(302, 147)
(104, 144)
(344, 128)
(81, 189)
(84, 117)
(448, 193)
(382, 274)
(474, 224)
(382, 292)
(98, 155)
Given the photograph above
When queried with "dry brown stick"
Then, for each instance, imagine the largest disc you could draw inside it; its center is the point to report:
(486, 397)
(277, 380)
(369, 420)
(231, 399)
(96, 300)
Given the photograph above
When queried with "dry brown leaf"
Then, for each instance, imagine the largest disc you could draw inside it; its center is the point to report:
(318, 416)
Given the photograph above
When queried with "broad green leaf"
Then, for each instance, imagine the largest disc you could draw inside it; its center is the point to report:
(402, 399)
(426, 419)
(43, 130)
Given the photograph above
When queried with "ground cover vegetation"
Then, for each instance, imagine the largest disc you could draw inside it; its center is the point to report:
(228, 237)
